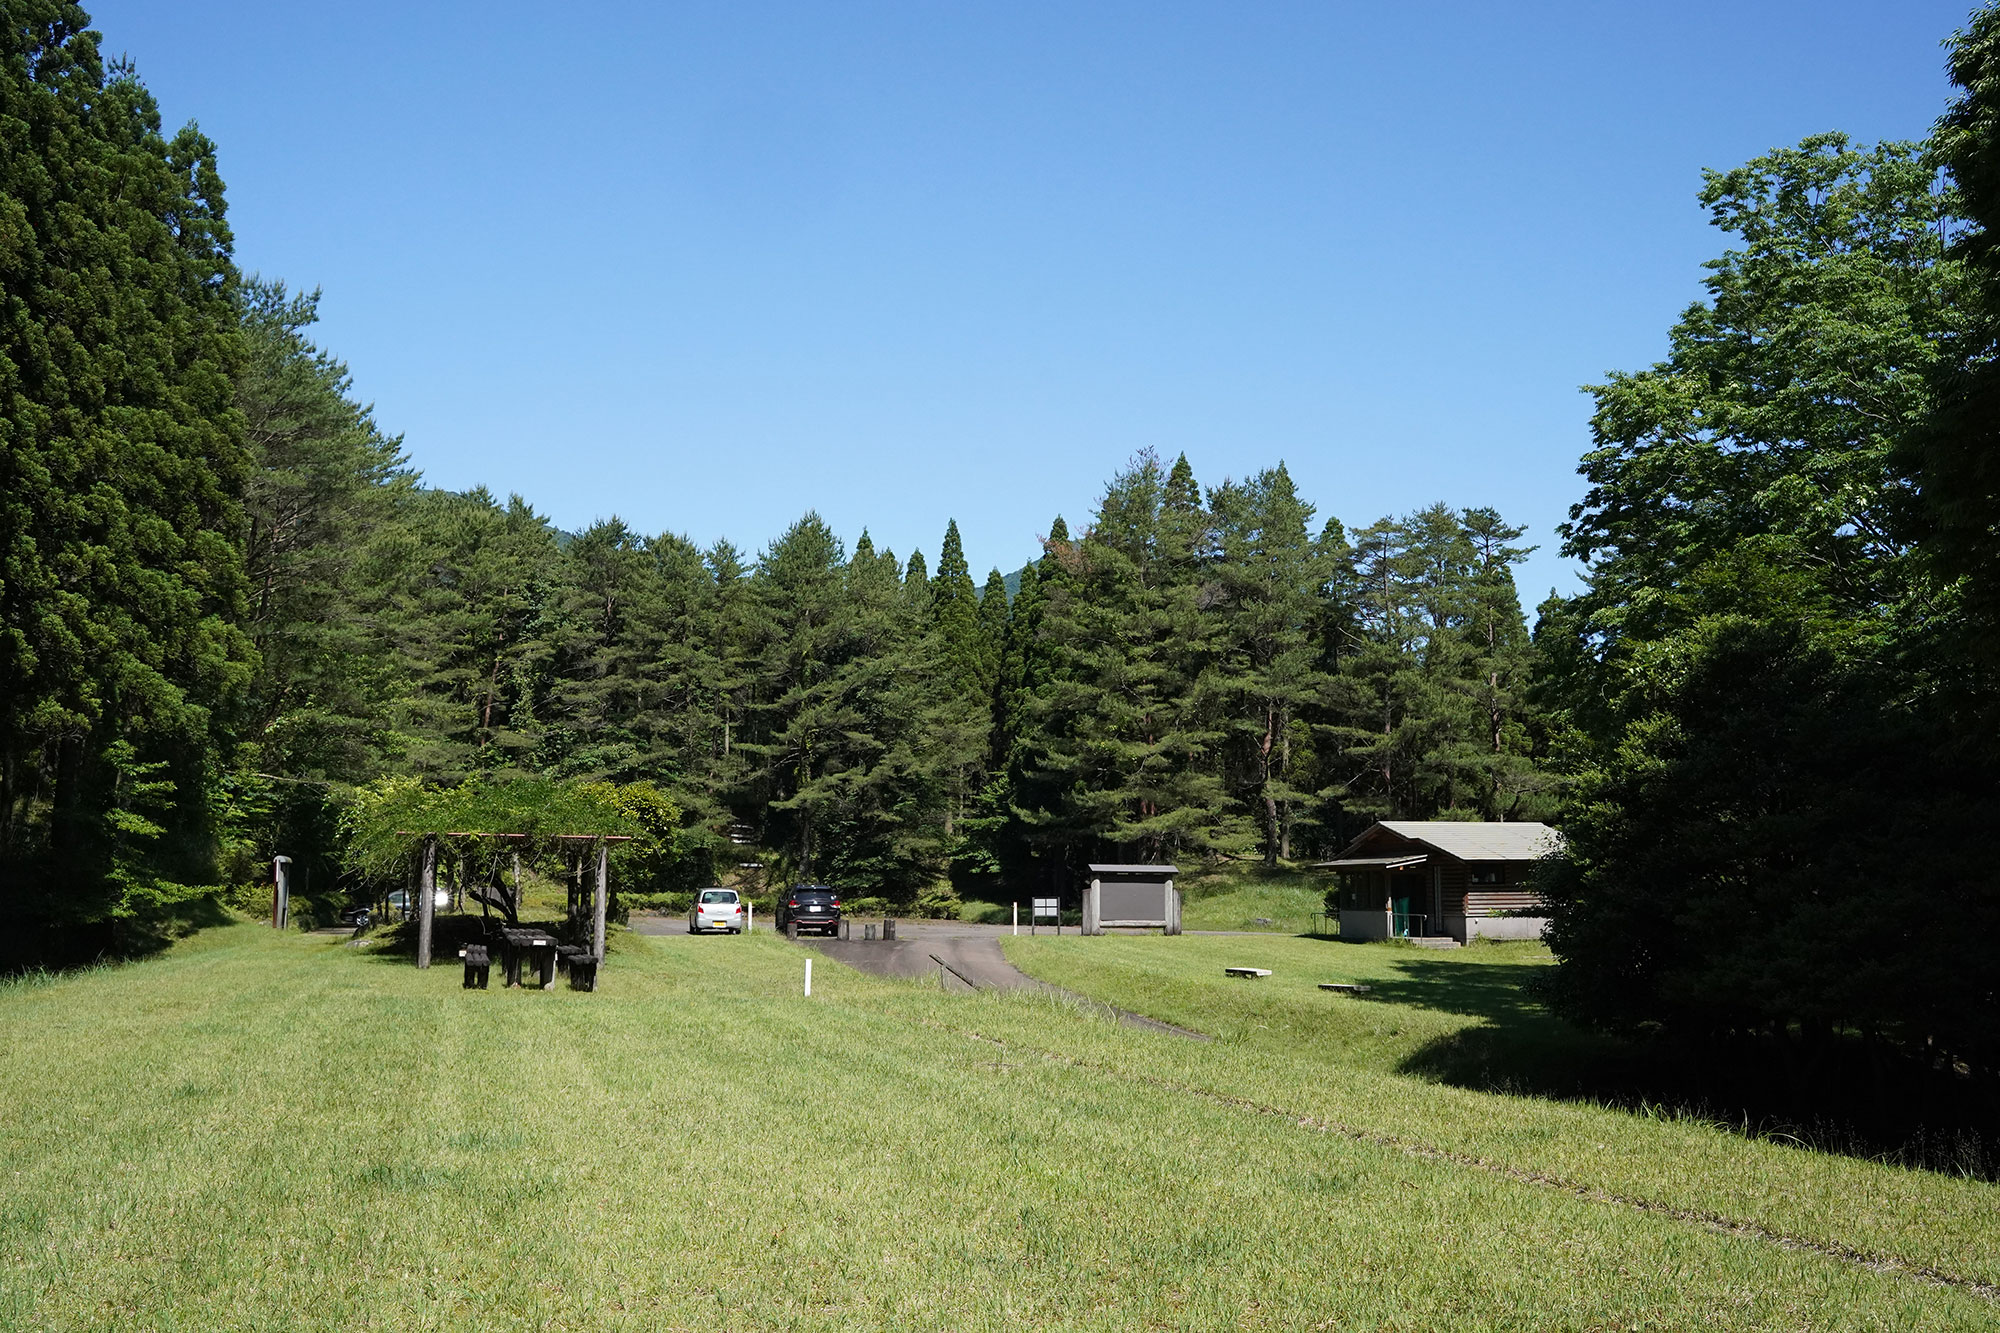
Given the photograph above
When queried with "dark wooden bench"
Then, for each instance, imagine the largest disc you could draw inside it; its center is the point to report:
(581, 964)
(477, 962)
(534, 949)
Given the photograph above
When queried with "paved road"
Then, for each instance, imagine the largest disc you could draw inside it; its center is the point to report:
(971, 954)
(972, 951)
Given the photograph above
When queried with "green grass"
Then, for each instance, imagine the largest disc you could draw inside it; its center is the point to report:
(263, 1131)
(1355, 1061)
(1239, 895)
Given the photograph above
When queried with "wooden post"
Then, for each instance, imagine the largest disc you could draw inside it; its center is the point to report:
(597, 902)
(426, 891)
(281, 895)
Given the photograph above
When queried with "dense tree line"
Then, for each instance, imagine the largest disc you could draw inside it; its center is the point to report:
(1195, 675)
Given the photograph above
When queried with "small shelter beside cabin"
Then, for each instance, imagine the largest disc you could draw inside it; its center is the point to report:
(1442, 878)
(1132, 895)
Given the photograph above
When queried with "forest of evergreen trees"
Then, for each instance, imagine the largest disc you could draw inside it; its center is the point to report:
(1767, 724)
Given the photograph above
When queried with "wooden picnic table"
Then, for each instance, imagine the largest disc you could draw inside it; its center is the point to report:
(520, 945)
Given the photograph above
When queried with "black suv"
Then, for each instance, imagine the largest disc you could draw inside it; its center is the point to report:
(811, 907)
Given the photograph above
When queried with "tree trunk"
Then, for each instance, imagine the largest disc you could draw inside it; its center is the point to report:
(1285, 836)
(492, 688)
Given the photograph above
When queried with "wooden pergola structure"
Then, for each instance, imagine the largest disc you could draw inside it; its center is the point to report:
(427, 886)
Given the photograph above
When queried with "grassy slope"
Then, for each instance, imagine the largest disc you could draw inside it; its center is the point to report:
(1338, 1058)
(1239, 895)
(262, 1131)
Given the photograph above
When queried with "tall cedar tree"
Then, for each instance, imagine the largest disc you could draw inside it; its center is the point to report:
(967, 689)
(993, 613)
(122, 590)
(1040, 850)
(955, 610)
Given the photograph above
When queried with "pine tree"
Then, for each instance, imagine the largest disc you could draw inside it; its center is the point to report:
(797, 718)
(1500, 671)
(1269, 574)
(602, 648)
(1131, 742)
(323, 483)
(728, 634)
(460, 588)
(1377, 666)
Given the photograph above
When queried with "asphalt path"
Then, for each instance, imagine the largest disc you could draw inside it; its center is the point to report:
(964, 955)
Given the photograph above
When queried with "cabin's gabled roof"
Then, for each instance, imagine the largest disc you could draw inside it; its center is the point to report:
(1522, 840)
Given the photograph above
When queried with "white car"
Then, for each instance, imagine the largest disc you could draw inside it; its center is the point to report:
(716, 909)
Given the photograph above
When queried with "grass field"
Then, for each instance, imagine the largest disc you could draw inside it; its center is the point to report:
(259, 1131)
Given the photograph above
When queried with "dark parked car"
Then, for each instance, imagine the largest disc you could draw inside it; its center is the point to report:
(358, 917)
(812, 906)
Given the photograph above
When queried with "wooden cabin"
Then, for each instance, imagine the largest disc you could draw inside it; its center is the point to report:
(1442, 879)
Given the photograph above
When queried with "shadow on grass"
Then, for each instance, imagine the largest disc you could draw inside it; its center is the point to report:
(450, 932)
(32, 944)
(1841, 1097)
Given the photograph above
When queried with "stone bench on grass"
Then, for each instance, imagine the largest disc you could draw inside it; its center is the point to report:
(1251, 972)
(1345, 987)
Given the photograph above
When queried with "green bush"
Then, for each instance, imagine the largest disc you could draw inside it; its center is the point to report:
(867, 906)
(939, 900)
(667, 904)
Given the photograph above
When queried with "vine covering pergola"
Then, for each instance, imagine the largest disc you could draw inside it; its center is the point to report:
(400, 826)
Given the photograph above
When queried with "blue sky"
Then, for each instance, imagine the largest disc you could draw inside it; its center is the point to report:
(707, 266)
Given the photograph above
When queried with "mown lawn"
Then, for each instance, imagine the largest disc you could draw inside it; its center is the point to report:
(266, 1132)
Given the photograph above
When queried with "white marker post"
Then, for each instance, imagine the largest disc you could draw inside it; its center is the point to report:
(809, 978)
(749, 917)
(1017, 918)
